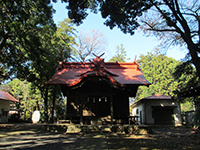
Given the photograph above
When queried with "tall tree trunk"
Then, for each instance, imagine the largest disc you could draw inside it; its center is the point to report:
(195, 58)
(53, 104)
(45, 105)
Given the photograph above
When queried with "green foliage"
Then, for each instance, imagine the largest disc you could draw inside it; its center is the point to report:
(57, 47)
(4, 75)
(39, 64)
(186, 106)
(29, 98)
(21, 25)
(31, 45)
(186, 75)
(65, 38)
(158, 70)
(60, 106)
(120, 55)
(27, 115)
(174, 22)
(120, 13)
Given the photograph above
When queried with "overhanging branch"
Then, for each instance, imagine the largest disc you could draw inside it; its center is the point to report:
(158, 30)
(162, 30)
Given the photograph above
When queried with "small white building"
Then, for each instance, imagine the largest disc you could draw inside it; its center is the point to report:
(5, 99)
(157, 110)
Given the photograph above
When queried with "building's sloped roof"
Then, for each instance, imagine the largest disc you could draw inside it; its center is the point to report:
(153, 97)
(72, 73)
(157, 96)
(7, 96)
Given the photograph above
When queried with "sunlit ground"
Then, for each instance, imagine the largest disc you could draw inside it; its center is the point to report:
(160, 139)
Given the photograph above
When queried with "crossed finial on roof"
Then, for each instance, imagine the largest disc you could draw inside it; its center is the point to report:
(97, 61)
(98, 56)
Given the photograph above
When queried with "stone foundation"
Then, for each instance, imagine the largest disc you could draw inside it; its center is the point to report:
(127, 129)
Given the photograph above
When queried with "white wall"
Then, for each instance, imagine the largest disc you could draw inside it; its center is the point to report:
(147, 108)
(177, 115)
(4, 106)
(140, 108)
(177, 111)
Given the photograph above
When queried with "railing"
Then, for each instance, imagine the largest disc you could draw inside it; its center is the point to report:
(133, 120)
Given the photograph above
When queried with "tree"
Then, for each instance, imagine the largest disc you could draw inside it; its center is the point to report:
(88, 43)
(180, 19)
(30, 46)
(57, 47)
(176, 24)
(29, 98)
(158, 70)
(186, 75)
(120, 55)
(21, 25)
(65, 38)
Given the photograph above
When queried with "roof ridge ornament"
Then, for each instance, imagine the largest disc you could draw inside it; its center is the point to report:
(99, 66)
(98, 62)
(98, 56)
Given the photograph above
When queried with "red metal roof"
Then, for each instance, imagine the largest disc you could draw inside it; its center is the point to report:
(157, 96)
(6, 96)
(72, 73)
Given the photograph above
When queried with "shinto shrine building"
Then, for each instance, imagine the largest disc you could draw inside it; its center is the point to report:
(97, 90)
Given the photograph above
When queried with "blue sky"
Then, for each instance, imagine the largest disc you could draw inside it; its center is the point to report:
(134, 45)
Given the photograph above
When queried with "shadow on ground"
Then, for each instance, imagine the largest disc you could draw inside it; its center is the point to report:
(167, 139)
(32, 137)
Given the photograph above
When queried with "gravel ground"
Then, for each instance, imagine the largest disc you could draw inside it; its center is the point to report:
(29, 136)
(160, 139)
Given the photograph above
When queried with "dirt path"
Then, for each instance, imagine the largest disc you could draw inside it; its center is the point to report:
(160, 139)
(29, 136)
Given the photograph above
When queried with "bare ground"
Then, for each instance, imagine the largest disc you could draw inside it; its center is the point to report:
(161, 139)
(30, 136)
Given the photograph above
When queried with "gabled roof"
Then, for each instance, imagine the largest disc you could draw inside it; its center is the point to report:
(157, 97)
(6, 96)
(121, 74)
(153, 97)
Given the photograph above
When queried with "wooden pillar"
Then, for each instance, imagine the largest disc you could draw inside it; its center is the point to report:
(66, 110)
(81, 109)
(111, 108)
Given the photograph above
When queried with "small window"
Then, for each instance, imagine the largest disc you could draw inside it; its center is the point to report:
(137, 111)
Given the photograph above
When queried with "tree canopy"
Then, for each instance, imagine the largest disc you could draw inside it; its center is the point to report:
(30, 98)
(180, 18)
(22, 23)
(31, 44)
(120, 54)
(158, 70)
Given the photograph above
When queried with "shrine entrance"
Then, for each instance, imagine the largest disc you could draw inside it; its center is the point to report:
(97, 100)
(98, 91)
